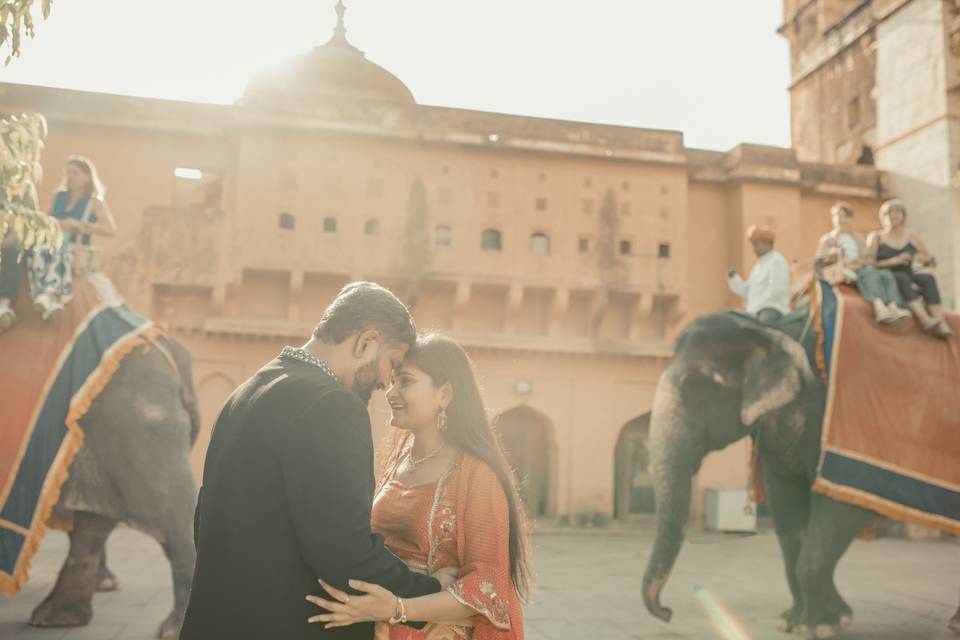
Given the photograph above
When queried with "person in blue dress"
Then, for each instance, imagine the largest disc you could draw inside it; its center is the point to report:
(82, 212)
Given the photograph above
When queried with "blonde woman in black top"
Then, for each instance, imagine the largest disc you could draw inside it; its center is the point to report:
(898, 248)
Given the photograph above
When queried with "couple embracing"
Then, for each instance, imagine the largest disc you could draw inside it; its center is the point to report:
(297, 538)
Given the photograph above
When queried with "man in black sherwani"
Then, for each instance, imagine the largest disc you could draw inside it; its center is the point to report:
(288, 482)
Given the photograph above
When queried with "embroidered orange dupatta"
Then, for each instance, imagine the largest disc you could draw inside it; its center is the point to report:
(462, 520)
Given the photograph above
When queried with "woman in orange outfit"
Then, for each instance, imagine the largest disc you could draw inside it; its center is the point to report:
(446, 499)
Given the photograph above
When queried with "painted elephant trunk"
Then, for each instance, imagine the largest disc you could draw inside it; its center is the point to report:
(673, 462)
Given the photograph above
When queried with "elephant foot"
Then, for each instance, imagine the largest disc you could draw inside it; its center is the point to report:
(54, 613)
(824, 626)
(106, 581)
(954, 624)
(169, 629)
(789, 619)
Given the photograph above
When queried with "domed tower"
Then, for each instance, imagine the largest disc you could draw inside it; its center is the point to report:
(331, 74)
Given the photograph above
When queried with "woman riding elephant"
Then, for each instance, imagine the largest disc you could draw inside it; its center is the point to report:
(82, 212)
(845, 248)
(899, 249)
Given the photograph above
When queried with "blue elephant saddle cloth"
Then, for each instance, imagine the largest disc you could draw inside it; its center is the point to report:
(50, 373)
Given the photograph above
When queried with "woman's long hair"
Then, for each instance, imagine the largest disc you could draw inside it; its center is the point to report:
(94, 188)
(469, 429)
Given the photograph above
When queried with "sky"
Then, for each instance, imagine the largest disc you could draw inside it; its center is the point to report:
(715, 70)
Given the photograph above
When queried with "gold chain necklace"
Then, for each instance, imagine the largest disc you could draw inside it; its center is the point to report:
(416, 463)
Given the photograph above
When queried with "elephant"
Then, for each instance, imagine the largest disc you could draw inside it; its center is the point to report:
(134, 467)
(731, 377)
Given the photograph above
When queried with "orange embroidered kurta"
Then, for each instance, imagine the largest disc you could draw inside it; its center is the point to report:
(461, 520)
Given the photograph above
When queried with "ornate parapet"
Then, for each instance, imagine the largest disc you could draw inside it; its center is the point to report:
(758, 163)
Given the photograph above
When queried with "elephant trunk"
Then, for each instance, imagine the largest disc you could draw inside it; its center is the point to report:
(673, 461)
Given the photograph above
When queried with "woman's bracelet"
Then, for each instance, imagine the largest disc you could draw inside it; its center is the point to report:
(399, 614)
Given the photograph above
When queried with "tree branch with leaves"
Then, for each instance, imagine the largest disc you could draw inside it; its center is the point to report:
(16, 20)
(21, 143)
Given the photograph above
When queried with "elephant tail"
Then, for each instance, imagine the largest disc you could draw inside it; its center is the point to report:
(188, 395)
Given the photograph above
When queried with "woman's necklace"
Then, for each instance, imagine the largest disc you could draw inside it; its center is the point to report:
(416, 463)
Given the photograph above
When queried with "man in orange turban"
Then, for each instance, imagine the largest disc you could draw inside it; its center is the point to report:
(767, 289)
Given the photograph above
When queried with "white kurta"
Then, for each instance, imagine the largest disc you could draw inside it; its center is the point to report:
(768, 286)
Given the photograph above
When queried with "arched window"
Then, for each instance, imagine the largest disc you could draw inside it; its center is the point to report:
(372, 227)
(287, 221)
(329, 224)
(491, 240)
(443, 236)
(540, 244)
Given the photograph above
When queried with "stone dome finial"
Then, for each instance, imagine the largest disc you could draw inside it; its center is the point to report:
(339, 31)
(333, 72)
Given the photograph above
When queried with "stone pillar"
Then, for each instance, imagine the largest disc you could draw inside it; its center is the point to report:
(918, 133)
(514, 307)
(461, 301)
(296, 293)
(561, 304)
(640, 311)
(598, 310)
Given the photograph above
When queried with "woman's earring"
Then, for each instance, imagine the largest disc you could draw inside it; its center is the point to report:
(442, 421)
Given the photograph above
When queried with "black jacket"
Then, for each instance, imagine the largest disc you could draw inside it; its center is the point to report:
(287, 488)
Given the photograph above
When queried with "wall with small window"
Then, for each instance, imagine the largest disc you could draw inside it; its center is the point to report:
(443, 236)
(540, 244)
(197, 188)
(491, 240)
(287, 221)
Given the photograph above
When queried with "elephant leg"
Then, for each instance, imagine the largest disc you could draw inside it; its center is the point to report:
(69, 604)
(954, 624)
(789, 503)
(106, 581)
(833, 526)
(182, 555)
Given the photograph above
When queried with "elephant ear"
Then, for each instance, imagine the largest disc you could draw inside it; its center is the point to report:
(774, 374)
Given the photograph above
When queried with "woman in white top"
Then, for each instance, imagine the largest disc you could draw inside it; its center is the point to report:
(877, 286)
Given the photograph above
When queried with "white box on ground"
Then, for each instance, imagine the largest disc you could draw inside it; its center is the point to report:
(725, 510)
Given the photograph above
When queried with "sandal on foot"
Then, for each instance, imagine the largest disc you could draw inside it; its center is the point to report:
(7, 317)
(941, 330)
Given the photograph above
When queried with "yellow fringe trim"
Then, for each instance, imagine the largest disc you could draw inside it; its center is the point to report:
(886, 507)
(96, 383)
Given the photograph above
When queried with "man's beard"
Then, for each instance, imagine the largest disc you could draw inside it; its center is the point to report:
(367, 380)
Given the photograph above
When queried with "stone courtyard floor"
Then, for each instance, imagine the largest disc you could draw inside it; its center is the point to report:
(588, 586)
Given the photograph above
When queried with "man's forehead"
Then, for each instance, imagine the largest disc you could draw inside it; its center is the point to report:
(398, 351)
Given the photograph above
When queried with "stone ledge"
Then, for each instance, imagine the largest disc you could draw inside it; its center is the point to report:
(494, 341)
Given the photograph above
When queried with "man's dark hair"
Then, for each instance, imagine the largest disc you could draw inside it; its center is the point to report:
(361, 306)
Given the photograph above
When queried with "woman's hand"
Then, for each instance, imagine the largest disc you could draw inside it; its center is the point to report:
(376, 605)
(71, 224)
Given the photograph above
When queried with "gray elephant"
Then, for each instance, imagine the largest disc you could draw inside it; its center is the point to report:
(134, 467)
(731, 377)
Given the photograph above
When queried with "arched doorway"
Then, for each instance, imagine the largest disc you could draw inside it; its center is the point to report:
(632, 480)
(212, 392)
(527, 437)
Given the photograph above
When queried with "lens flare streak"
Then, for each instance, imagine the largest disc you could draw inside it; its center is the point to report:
(720, 617)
